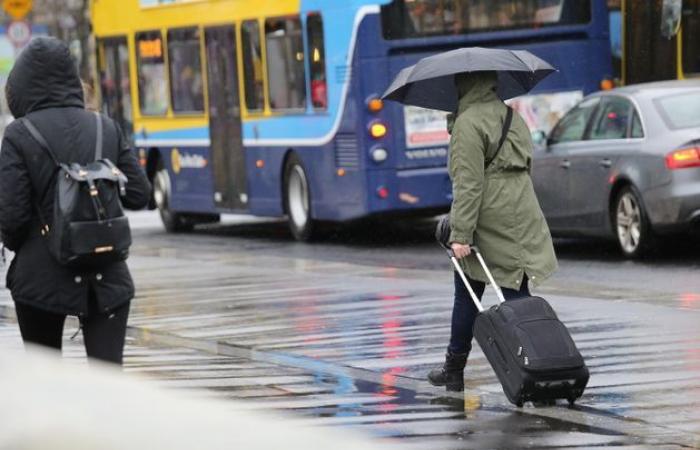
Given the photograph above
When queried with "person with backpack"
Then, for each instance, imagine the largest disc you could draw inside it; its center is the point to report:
(494, 207)
(65, 173)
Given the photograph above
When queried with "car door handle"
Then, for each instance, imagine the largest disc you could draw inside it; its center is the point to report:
(605, 163)
(565, 164)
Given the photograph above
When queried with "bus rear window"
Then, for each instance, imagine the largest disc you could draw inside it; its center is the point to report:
(680, 111)
(416, 18)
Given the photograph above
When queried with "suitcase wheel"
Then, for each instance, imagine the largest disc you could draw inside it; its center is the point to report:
(519, 403)
(571, 400)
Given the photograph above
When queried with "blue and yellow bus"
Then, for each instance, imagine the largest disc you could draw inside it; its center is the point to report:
(271, 107)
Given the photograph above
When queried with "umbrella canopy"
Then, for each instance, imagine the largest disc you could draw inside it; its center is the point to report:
(430, 83)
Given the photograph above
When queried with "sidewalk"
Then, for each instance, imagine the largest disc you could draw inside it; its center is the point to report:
(346, 344)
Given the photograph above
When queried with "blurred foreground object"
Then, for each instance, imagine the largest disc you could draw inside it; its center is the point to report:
(50, 404)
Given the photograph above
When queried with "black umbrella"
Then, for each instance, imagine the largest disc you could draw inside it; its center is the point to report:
(430, 83)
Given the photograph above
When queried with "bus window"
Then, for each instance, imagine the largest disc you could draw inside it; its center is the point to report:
(114, 83)
(690, 24)
(184, 57)
(319, 84)
(153, 91)
(252, 66)
(404, 18)
(285, 63)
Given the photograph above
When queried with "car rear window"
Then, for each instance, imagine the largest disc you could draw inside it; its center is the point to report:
(680, 111)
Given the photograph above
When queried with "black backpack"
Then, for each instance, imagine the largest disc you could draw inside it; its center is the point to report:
(89, 228)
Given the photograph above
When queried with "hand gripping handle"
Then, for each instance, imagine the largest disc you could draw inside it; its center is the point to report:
(472, 294)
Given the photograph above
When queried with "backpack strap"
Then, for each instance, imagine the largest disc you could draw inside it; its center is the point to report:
(40, 139)
(504, 133)
(98, 139)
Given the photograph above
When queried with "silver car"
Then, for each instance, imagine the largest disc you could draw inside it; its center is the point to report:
(624, 163)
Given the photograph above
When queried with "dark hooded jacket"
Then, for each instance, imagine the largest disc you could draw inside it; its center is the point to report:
(44, 87)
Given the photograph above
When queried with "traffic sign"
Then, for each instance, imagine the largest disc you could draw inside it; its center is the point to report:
(19, 33)
(17, 9)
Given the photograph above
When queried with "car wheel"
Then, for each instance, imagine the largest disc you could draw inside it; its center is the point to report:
(297, 200)
(172, 221)
(631, 224)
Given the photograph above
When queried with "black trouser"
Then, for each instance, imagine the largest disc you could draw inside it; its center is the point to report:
(104, 334)
(464, 312)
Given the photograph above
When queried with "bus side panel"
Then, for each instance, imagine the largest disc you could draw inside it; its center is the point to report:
(334, 197)
(190, 177)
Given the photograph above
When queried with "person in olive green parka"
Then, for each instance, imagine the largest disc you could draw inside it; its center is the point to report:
(493, 208)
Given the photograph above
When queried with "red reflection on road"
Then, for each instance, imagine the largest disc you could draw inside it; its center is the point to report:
(690, 300)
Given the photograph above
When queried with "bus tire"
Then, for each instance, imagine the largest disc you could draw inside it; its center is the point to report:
(297, 200)
(172, 221)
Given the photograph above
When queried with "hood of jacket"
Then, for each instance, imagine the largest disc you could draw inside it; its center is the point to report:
(44, 76)
(472, 88)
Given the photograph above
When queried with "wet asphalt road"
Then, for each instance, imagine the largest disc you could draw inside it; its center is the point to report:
(344, 330)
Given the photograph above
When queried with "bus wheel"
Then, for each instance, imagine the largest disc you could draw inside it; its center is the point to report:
(172, 221)
(297, 200)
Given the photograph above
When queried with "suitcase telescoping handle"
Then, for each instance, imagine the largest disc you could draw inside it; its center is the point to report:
(459, 270)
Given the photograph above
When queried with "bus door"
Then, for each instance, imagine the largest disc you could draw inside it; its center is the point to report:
(113, 60)
(227, 153)
(648, 55)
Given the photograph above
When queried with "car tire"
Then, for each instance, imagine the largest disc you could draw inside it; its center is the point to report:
(297, 200)
(631, 223)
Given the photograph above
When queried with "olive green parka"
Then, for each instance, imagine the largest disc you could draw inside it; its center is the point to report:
(495, 208)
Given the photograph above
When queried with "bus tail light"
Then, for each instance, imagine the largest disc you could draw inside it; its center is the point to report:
(375, 105)
(379, 155)
(607, 84)
(683, 158)
(378, 130)
(382, 192)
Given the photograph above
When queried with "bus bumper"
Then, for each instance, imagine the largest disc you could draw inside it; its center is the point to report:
(406, 190)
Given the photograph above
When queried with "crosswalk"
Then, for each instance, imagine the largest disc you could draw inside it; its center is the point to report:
(348, 345)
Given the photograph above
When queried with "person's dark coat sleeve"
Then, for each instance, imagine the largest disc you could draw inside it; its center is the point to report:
(15, 196)
(467, 154)
(138, 189)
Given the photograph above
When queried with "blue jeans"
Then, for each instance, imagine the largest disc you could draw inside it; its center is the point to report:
(464, 311)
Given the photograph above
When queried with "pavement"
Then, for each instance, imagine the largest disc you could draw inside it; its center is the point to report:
(341, 334)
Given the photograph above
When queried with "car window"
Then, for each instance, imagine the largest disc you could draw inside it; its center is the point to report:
(637, 130)
(680, 111)
(572, 126)
(612, 119)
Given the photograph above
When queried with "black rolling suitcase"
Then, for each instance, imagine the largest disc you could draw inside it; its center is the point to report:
(530, 350)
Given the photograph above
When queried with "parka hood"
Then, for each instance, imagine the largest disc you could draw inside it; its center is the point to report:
(473, 87)
(476, 87)
(45, 75)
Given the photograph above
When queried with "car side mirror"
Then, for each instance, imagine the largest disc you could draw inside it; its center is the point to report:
(539, 138)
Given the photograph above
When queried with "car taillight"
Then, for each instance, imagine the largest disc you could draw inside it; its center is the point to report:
(683, 158)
